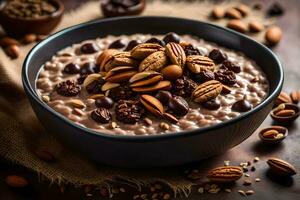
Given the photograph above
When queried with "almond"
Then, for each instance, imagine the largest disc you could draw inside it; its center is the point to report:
(281, 167)
(152, 104)
(13, 51)
(120, 59)
(29, 38)
(16, 181)
(108, 86)
(207, 91)
(142, 51)
(225, 174)
(120, 74)
(283, 98)
(176, 54)
(105, 57)
(255, 27)
(238, 25)
(77, 103)
(243, 9)
(8, 41)
(295, 96)
(162, 85)
(285, 113)
(145, 78)
(91, 78)
(233, 13)
(154, 62)
(198, 63)
(170, 117)
(218, 12)
(172, 72)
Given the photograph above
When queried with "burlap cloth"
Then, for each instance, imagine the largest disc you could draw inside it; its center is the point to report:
(21, 132)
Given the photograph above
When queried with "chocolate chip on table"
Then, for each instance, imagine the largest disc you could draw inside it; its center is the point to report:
(231, 66)
(191, 50)
(68, 88)
(171, 37)
(275, 9)
(117, 44)
(88, 68)
(178, 106)
(212, 104)
(204, 76)
(72, 68)
(101, 115)
(113, 8)
(122, 92)
(164, 96)
(241, 106)
(129, 111)
(156, 41)
(218, 56)
(89, 48)
(183, 87)
(131, 44)
(104, 102)
(226, 77)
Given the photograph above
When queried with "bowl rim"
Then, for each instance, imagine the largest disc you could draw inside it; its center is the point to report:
(146, 138)
(56, 14)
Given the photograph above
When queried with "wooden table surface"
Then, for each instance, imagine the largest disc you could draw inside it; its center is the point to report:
(269, 188)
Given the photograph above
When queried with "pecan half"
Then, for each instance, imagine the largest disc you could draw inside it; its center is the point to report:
(176, 54)
(225, 174)
(143, 50)
(198, 63)
(207, 91)
(155, 62)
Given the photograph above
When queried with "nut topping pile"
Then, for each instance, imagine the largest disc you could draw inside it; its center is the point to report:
(164, 80)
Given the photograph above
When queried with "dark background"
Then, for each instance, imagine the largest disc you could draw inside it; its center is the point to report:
(269, 188)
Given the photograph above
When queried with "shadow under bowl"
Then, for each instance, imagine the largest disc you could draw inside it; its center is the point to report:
(17, 27)
(162, 149)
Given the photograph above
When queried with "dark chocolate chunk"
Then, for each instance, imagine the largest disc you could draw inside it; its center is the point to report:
(113, 8)
(217, 55)
(171, 37)
(178, 106)
(164, 97)
(241, 106)
(89, 48)
(104, 102)
(88, 68)
(68, 88)
(122, 92)
(129, 111)
(101, 115)
(212, 105)
(156, 41)
(118, 44)
(132, 44)
(71, 68)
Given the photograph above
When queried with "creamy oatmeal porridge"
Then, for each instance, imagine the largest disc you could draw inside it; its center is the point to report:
(145, 84)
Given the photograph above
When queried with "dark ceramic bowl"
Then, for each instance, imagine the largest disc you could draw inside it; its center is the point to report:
(155, 150)
(18, 27)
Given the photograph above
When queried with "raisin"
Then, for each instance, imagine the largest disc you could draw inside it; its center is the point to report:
(231, 66)
(122, 92)
(217, 55)
(191, 50)
(129, 111)
(226, 77)
(183, 87)
(68, 88)
(101, 115)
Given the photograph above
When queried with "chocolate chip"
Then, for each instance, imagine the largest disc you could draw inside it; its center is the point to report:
(212, 105)
(171, 37)
(104, 102)
(118, 44)
(231, 66)
(226, 77)
(164, 97)
(132, 44)
(88, 68)
(113, 8)
(241, 106)
(68, 88)
(275, 9)
(191, 50)
(89, 48)
(217, 55)
(71, 68)
(178, 105)
(204, 76)
(95, 86)
(101, 115)
(156, 41)
(129, 111)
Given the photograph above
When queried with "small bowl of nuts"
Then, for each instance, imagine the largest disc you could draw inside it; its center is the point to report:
(273, 134)
(285, 113)
(19, 17)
